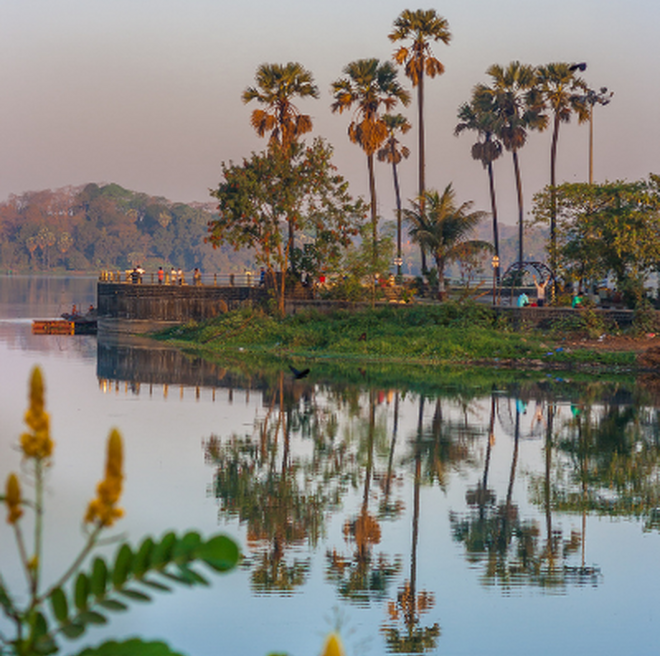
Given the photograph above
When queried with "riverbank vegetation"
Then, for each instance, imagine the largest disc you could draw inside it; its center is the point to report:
(439, 334)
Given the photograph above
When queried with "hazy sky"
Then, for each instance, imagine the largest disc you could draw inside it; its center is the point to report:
(146, 93)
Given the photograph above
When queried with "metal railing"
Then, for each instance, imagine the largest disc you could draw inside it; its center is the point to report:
(131, 277)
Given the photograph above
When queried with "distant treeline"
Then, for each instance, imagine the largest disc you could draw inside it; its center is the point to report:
(94, 227)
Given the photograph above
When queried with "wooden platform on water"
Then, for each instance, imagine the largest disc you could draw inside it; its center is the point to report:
(63, 327)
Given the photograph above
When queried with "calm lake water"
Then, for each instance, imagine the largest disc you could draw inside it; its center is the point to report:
(521, 519)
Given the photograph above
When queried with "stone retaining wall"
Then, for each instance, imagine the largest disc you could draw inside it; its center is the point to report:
(171, 303)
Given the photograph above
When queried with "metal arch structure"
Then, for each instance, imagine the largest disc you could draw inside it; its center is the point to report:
(541, 269)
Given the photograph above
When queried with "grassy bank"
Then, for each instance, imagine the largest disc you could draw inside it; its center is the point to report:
(442, 335)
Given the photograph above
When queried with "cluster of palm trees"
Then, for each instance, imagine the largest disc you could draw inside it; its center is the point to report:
(519, 99)
(522, 98)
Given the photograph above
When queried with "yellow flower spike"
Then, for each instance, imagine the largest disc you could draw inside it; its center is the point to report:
(103, 508)
(37, 443)
(13, 499)
(333, 646)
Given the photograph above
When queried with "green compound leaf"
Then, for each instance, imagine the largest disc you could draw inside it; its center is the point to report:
(136, 595)
(185, 548)
(162, 553)
(156, 585)
(73, 630)
(59, 605)
(220, 553)
(92, 617)
(40, 625)
(122, 566)
(142, 559)
(133, 647)
(99, 579)
(113, 604)
(82, 590)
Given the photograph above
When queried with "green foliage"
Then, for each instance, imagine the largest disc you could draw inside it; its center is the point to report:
(605, 230)
(92, 227)
(133, 647)
(298, 188)
(132, 576)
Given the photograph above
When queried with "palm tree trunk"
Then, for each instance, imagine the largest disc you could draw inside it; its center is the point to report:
(493, 206)
(422, 161)
(516, 169)
(374, 224)
(397, 193)
(553, 195)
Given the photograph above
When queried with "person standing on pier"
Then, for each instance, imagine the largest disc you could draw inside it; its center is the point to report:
(540, 290)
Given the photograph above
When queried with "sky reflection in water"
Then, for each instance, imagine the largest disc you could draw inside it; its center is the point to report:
(451, 522)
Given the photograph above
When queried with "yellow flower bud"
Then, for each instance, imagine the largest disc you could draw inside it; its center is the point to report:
(103, 508)
(13, 499)
(37, 443)
(333, 646)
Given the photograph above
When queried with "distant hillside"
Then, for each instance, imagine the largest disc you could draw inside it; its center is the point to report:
(94, 227)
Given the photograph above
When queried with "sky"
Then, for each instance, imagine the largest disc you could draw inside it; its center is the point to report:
(147, 93)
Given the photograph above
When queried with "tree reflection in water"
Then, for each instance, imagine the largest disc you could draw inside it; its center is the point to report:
(363, 576)
(282, 500)
(316, 444)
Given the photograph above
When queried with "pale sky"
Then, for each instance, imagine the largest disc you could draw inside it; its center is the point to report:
(146, 93)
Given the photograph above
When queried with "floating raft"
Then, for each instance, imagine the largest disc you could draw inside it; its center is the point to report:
(64, 327)
(53, 327)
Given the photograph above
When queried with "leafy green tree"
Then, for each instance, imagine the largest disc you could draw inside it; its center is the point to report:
(444, 229)
(518, 108)
(393, 152)
(257, 198)
(605, 230)
(479, 115)
(369, 85)
(421, 27)
(564, 94)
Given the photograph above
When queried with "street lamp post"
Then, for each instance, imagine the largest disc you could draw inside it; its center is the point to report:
(602, 97)
(496, 266)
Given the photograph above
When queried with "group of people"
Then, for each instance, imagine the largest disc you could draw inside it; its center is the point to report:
(523, 299)
(176, 276)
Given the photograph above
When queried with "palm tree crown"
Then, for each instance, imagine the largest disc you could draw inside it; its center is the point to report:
(445, 228)
(422, 27)
(276, 85)
(369, 85)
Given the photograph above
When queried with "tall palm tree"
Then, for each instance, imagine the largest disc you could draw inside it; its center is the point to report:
(393, 152)
(421, 27)
(369, 85)
(518, 108)
(277, 85)
(444, 229)
(479, 116)
(564, 94)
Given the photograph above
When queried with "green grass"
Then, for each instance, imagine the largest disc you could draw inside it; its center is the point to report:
(446, 334)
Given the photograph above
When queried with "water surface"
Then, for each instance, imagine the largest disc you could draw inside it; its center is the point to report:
(521, 519)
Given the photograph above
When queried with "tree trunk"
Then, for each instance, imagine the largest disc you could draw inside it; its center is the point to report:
(374, 224)
(516, 169)
(553, 195)
(493, 206)
(422, 161)
(397, 193)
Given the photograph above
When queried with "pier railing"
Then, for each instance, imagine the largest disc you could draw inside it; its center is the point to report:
(130, 277)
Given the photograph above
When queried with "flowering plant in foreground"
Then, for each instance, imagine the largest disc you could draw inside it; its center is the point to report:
(83, 597)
